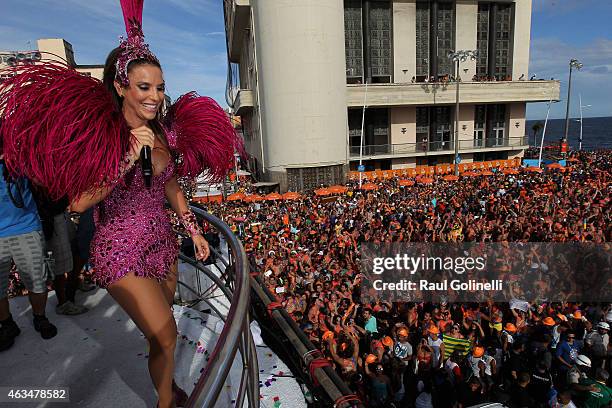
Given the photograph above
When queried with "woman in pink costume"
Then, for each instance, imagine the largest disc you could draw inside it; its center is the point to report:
(96, 131)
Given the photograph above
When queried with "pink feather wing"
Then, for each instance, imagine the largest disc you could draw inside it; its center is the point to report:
(60, 128)
(205, 138)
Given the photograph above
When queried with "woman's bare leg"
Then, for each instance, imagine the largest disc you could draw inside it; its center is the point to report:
(169, 285)
(144, 301)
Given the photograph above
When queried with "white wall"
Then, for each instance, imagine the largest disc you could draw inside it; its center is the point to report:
(466, 118)
(403, 118)
(522, 33)
(465, 35)
(302, 81)
(516, 114)
(404, 40)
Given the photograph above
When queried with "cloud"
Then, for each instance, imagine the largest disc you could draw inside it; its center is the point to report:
(550, 59)
(551, 55)
(186, 35)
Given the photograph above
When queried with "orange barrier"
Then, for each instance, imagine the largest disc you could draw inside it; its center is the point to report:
(440, 169)
(236, 197)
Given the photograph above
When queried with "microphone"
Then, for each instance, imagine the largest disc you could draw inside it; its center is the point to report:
(147, 165)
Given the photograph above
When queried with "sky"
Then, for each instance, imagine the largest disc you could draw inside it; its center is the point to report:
(188, 37)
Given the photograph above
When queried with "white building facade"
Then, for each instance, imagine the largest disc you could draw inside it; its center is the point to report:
(306, 67)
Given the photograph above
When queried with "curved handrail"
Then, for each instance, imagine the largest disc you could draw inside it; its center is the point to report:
(236, 331)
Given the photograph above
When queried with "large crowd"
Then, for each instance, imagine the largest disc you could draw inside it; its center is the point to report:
(529, 352)
(525, 353)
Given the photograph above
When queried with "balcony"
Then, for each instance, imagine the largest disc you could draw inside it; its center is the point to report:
(244, 102)
(413, 94)
(237, 13)
(389, 151)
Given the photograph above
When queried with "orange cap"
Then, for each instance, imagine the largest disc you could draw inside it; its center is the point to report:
(562, 317)
(548, 321)
(577, 314)
(402, 332)
(478, 351)
(328, 335)
(510, 328)
(387, 341)
(433, 330)
(371, 358)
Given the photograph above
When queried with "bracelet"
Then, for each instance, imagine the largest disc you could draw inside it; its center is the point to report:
(190, 222)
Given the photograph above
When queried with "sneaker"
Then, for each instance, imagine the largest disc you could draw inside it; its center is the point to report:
(70, 309)
(8, 332)
(44, 326)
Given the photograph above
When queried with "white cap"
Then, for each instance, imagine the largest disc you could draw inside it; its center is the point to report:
(603, 325)
(583, 361)
(609, 317)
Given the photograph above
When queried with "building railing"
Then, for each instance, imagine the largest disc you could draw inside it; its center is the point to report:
(402, 149)
(234, 281)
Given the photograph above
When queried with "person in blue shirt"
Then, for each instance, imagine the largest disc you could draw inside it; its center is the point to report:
(567, 352)
(21, 242)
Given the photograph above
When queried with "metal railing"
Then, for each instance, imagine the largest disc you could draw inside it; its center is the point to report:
(328, 388)
(400, 149)
(233, 281)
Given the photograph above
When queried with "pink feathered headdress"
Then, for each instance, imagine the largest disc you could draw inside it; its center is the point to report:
(133, 47)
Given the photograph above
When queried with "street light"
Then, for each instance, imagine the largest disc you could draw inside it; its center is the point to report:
(457, 57)
(581, 106)
(574, 63)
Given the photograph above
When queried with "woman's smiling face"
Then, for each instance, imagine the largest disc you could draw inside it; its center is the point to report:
(144, 96)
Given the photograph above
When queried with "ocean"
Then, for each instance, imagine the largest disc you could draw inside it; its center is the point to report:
(596, 132)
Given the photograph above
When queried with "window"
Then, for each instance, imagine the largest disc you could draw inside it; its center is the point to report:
(377, 130)
(480, 119)
(482, 40)
(378, 33)
(446, 37)
(422, 40)
(353, 38)
(380, 41)
(354, 122)
(422, 128)
(498, 125)
(503, 41)
(442, 137)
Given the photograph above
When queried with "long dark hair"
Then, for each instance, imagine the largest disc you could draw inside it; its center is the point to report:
(110, 72)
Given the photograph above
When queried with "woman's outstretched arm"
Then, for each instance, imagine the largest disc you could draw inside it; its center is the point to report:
(177, 201)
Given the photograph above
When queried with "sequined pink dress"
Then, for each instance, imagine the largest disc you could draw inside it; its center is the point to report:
(133, 231)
